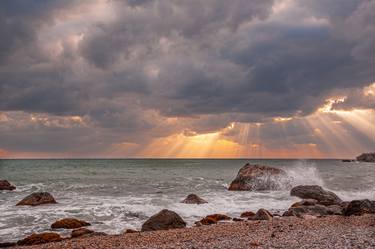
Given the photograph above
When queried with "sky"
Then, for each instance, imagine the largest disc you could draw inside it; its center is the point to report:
(187, 79)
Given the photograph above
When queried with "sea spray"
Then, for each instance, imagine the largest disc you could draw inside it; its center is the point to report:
(304, 173)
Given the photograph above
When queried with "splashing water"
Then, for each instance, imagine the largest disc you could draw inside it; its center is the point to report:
(115, 195)
(304, 173)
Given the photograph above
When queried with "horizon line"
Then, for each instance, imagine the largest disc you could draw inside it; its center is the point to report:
(174, 158)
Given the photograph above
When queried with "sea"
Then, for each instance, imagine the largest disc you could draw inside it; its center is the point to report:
(115, 195)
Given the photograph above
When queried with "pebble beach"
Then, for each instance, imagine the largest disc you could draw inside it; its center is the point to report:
(281, 232)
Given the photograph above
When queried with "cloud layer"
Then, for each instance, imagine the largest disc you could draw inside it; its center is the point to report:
(106, 73)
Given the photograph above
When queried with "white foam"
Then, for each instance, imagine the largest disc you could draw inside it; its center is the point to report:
(304, 173)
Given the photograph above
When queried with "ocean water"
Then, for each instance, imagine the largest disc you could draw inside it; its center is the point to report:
(115, 195)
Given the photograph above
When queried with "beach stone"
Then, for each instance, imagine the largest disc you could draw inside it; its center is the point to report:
(258, 177)
(366, 157)
(206, 221)
(359, 207)
(193, 199)
(262, 214)
(247, 214)
(237, 219)
(308, 217)
(212, 219)
(324, 197)
(5, 185)
(69, 223)
(36, 199)
(163, 220)
(300, 211)
(79, 232)
(130, 231)
(305, 202)
(219, 217)
(335, 210)
(40, 238)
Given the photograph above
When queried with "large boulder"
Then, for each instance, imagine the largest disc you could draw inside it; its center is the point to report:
(193, 199)
(40, 238)
(366, 157)
(69, 223)
(316, 192)
(258, 177)
(359, 207)
(5, 185)
(163, 220)
(36, 199)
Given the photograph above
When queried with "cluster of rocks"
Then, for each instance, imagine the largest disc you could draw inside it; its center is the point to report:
(366, 157)
(319, 202)
(77, 226)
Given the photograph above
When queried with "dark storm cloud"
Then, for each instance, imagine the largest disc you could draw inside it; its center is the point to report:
(213, 62)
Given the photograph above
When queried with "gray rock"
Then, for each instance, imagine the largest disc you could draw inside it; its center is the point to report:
(324, 197)
(262, 214)
(300, 211)
(36, 199)
(359, 207)
(163, 220)
(193, 199)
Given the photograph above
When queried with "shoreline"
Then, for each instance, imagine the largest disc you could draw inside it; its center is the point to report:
(280, 232)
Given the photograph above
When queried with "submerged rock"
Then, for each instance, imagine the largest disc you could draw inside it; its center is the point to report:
(40, 238)
(69, 223)
(36, 199)
(5, 185)
(324, 197)
(262, 214)
(193, 199)
(359, 207)
(163, 220)
(258, 177)
(366, 157)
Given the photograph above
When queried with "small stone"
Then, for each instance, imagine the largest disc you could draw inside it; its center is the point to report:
(69, 223)
(193, 199)
(262, 214)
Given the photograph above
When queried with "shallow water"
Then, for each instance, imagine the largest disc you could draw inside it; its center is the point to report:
(118, 194)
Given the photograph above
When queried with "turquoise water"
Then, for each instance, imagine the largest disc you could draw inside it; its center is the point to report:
(118, 194)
